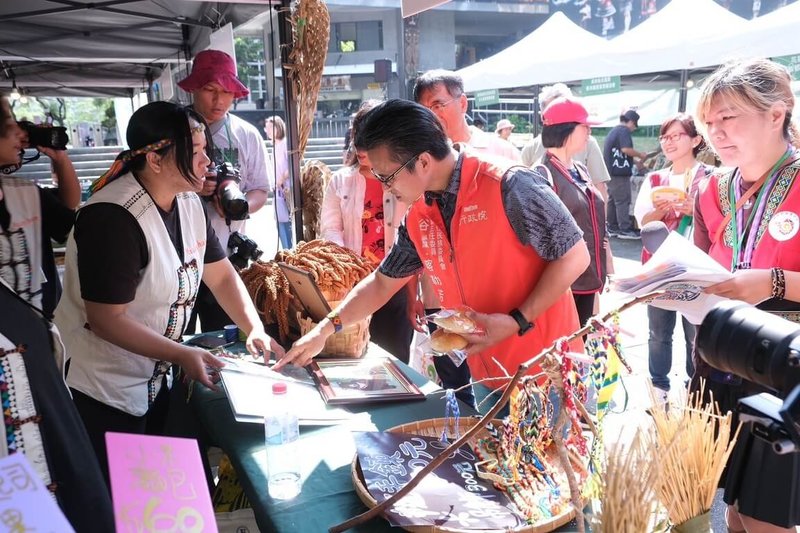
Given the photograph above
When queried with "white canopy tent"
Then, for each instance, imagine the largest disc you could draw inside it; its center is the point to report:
(684, 35)
(558, 50)
(774, 34)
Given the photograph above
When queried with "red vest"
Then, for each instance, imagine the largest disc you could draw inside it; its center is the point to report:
(487, 268)
(778, 237)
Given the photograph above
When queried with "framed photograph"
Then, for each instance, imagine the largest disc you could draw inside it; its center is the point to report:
(373, 379)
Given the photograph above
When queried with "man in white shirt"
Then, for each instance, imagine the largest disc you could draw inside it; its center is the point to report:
(442, 91)
(214, 87)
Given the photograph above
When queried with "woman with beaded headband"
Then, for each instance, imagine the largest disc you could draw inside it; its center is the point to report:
(746, 219)
(141, 245)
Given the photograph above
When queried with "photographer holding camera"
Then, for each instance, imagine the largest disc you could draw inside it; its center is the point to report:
(746, 219)
(30, 216)
(241, 183)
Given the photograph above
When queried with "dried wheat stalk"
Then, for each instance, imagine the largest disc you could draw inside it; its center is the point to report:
(628, 500)
(692, 442)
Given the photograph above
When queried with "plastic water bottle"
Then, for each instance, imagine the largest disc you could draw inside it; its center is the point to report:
(282, 431)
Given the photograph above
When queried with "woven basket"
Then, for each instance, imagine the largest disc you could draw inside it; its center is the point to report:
(351, 342)
(433, 428)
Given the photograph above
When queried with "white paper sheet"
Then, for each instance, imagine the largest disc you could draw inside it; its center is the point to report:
(682, 270)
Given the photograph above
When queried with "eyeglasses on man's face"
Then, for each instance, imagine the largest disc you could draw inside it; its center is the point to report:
(386, 181)
(674, 137)
(438, 107)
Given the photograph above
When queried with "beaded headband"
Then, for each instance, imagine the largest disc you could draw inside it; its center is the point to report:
(120, 164)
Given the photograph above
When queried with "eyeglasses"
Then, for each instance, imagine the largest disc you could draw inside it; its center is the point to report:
(675, 137)
(439, 106)
(386, 181)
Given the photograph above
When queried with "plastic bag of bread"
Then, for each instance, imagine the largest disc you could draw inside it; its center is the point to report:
(443, 342)
(455, 320)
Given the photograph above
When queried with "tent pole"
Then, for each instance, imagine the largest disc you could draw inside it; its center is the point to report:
(683, 91)
(292, 139)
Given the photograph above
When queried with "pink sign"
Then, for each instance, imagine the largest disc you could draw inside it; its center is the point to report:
(158, 484)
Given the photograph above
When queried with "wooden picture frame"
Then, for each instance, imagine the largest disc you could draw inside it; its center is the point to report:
(368, 380)
(307, 292)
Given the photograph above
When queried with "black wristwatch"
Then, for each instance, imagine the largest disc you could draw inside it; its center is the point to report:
(524, 325)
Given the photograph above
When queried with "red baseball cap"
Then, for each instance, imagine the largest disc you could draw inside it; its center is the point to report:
(564, 110)
(214, 65)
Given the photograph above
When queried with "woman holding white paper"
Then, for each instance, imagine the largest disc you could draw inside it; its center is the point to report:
(746, 219)
(667, 195)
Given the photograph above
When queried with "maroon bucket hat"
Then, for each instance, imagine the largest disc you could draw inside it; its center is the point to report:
(214, 65)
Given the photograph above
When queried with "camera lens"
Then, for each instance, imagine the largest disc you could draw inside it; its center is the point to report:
(738, 338)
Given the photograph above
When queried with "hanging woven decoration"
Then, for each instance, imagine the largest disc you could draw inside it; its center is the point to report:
(314, 179)
(310, 31)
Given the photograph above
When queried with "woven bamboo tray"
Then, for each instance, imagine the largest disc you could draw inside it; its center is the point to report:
(433, 428)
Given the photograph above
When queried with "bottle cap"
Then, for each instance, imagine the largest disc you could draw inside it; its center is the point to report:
(279, 388)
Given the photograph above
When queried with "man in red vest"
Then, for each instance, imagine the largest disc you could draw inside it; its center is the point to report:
(493, 238)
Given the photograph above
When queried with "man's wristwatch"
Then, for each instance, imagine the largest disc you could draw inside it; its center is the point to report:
(524, 324)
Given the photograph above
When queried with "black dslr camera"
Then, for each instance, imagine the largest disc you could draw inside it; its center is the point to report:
(231, 198)
(54, 137)
(243, 250)
(759, 347)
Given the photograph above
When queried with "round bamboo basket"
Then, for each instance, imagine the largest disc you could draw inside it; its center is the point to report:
(433, 428)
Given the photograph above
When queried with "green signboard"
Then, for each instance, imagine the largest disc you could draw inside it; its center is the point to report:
(604, 85)
(487, 98)
(790, 62)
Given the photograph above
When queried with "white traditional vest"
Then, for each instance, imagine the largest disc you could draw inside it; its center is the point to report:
(21, 245)
(163, 302)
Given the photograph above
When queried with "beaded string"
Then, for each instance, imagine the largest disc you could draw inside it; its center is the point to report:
(452, 414)
(572, 385)
(603, 346)
(514, 459)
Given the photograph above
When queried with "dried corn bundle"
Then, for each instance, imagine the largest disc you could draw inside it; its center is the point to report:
(692, 443)
(628, 501)
(269, 290)
(314, 179)
(335, 269)
(311, 31)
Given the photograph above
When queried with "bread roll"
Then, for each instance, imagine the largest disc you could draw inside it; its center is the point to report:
(444, 341)
(456, 322)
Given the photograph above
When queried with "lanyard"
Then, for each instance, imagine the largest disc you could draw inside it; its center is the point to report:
(742, 230)
(226, 152)
(230, 144)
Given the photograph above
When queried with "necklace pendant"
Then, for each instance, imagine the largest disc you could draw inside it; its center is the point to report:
(749, 203)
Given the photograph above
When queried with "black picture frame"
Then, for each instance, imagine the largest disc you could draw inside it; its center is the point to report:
(368, 380)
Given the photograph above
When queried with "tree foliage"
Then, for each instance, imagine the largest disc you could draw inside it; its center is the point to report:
(248, 50)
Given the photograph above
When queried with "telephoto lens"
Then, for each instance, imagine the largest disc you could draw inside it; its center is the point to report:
(760, 347)
(231, 198)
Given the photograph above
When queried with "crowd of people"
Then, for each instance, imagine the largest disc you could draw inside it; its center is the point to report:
(451, 217)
